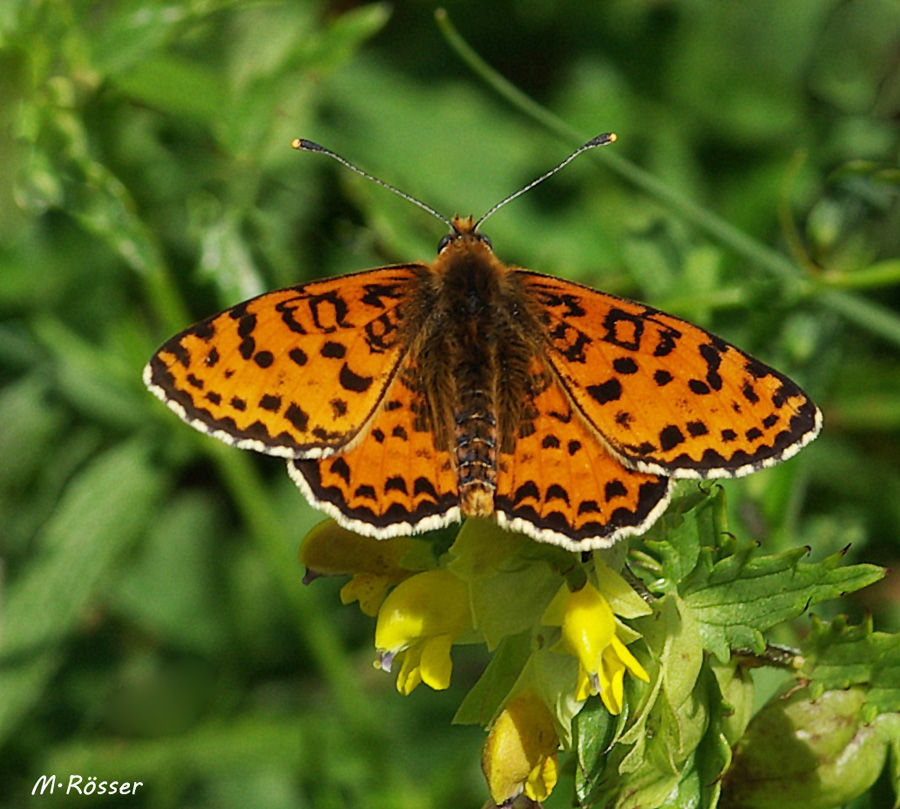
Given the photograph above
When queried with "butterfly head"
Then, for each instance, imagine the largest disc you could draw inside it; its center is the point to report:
(465, 233)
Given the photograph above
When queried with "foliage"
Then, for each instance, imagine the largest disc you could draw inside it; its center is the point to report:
(154, 626)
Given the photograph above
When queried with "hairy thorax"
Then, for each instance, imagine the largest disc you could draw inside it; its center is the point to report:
(476, 340)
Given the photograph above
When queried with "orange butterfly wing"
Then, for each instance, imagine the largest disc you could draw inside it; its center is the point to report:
(668, 397)
(561, 485)
(393, 481)
(296, 372)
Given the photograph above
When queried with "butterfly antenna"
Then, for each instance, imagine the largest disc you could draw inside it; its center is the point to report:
(600, 140)
(303, 145)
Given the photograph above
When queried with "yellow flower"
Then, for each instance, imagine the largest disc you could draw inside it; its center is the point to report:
(589, 633)
(520, 752)
(375, 565)
(418, 623)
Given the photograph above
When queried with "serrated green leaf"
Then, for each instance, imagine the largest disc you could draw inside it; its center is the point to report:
(737, 690)
(648, 763)
(737, 598)
(839, 656)
(729, 692)
(648, 788)
(689, 790)
(692, 521)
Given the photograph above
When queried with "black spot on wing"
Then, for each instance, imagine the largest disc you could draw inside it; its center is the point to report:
(352, 381)
(625, 365)
(609, 391)
(623, 329)
(264, 359)
(662, 378)
(670, 437)
(270, 403)
(297, 416)
(699, 387)
(395, 483)
(298, 356)
(333, 350)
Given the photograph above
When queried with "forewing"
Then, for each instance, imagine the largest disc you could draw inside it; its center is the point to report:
(393, 481)
(667, 396)
(295, 372)
(561, 485)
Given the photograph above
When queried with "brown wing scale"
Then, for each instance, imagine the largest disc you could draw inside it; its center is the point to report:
(293, 373)
(668, 397)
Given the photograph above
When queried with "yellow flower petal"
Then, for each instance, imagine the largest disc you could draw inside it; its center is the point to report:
(588, 626)
(431, 603)
(629, 660)
(435, 665)
(520, 752)
(584, 687)
(410, 674)
(367, 588)
(612, 678)
(542, 779)
(420, 619)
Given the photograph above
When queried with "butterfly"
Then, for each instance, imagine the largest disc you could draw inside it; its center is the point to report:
(411, 396)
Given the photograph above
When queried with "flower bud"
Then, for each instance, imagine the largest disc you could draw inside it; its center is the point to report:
(519, 756)
(802, 753)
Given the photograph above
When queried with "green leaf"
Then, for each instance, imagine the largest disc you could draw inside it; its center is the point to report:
(838, 656)
(594, 731)
(693, 520)
(500, 567)
(104, 510)
(805, 752)
(649, 763)
(160, 589)
(739, 596)
(486, 697)
(625, 602)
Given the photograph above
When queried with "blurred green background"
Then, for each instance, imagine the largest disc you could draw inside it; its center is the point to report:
(154, 627)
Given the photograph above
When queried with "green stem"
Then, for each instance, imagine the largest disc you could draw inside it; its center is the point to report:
(860, 311)
(253, 502)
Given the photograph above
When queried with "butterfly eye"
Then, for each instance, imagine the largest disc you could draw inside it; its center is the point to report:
(484, 239)
(446, 240)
